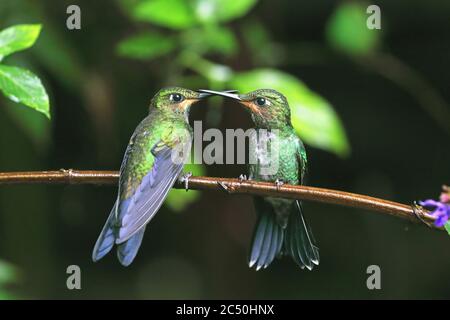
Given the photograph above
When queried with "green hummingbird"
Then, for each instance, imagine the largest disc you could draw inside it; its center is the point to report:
(153, 160)
(281, 227)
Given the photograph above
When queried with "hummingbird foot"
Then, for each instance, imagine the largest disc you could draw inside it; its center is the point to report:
(279, 183)
(185, 179)
(242, 177)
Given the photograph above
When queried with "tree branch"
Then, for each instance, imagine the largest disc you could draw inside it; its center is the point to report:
(232, 186)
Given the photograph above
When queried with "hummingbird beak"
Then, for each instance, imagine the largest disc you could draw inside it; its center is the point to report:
(232, 94)
(229, 94)
(194, 98)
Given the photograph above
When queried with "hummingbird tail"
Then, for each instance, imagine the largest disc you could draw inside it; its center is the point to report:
(106, 239)
(126, 251)
(299, 240)
(267, 237)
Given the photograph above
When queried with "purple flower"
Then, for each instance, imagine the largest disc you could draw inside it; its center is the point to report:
(439, 210)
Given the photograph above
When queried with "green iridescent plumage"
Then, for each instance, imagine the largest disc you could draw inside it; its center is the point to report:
(280, 220)
(280, 156)
(152, 162)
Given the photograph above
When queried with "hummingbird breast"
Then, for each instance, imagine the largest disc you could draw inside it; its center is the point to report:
(274, 157)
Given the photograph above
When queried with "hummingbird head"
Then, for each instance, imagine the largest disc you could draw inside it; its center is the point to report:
(269, 108)
(175, 99)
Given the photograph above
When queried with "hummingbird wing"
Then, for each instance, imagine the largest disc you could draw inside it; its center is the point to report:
(106, 240)
(300, 242)
(139, 209)
(299, 239)
(302, 159)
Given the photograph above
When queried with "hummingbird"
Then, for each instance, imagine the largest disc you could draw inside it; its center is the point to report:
(281, 226)
(153, 160)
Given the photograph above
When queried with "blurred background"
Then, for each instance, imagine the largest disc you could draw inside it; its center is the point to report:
(371, 105)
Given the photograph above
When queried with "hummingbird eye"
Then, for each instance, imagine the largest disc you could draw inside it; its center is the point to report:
(260, 101)
(176, 97)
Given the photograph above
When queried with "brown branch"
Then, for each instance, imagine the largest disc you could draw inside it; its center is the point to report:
(231, 186)
(62, 176)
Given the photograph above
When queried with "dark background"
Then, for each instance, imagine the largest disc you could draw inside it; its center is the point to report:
(399, 152)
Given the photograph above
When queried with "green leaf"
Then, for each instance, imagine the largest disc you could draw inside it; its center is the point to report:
(18, 38)
(146, 45)
(183, 14)
(22, 86)
(221, 10)
(347, 30)
(179, 199)
(312, 116)
(174, 14)
(209, 39)
(447, 227)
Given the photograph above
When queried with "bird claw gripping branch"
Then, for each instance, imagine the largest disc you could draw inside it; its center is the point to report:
(242, 178)
(185, 180)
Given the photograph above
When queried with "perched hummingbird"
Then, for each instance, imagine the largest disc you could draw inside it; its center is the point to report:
(153, 161)
(281, 226)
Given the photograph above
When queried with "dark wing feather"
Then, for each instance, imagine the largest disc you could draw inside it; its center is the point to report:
(127, 251)
(267, 237)
(300, 243)
(106, 240)
(303, 161)
(152, 191)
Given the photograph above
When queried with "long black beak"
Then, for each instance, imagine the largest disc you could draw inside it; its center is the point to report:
(229, 94)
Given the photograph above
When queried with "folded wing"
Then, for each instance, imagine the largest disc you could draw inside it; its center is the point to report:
(140, 208)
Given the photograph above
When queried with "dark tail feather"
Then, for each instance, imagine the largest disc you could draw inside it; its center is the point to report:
(299, 240)
(126, 251)
(267, 237)
(106, 240)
